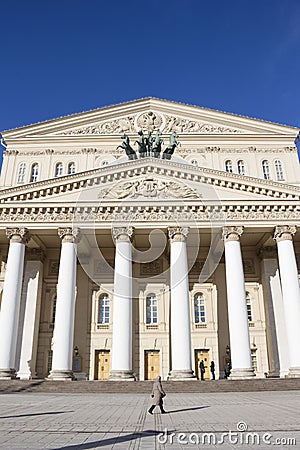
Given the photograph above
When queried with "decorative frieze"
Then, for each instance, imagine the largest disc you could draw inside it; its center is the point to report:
(149, 188)
(151, 121)
(109, 214)
(284, 233)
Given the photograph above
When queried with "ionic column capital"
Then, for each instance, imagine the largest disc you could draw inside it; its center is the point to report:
(232, 233)
(70, 235)
(19, 235)
(178, 234)
(284, 232)
(122, 234)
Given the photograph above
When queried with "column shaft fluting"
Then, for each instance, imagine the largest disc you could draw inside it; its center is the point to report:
(180, 306)
(10, 306)
(65, 308)
(121, 363)
(237, 306)
(290, 293)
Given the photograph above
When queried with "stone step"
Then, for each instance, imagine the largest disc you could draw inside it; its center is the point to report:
(143, 387)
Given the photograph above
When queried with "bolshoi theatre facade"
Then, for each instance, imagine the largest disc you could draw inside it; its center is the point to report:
(138, 239)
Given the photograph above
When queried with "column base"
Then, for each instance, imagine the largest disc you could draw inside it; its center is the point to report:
(121, 375)
(7, 374)
(294, 372)
(61, 375)
(181, 375)
(241, 374)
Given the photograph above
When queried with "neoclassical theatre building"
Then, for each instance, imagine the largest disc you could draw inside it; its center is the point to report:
(141, 238)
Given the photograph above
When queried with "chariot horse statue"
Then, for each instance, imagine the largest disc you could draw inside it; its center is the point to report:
(127, 147)
(173, 143)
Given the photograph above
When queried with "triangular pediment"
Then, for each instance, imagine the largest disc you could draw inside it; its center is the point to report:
(148, 192)
(147, 180)
(149, 114)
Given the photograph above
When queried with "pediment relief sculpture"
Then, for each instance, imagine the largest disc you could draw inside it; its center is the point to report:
(151, 121)
(149, 188)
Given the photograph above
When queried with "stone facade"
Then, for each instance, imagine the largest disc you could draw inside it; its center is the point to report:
(178, 260)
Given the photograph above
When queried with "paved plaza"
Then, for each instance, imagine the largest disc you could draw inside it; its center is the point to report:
(235, 420)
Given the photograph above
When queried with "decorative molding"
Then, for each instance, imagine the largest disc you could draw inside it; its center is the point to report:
(232, 233)
(191, 215)
(150, 121)
(149, 188)
(18, 235)
(178, 234)
(284, 233)
(122, 234)
(182, 125)
(69, 235)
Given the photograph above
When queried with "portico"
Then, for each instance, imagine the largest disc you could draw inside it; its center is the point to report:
(131, 267)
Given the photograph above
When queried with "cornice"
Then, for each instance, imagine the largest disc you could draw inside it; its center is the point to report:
(200, 216)
(164, 106)
(147, 166)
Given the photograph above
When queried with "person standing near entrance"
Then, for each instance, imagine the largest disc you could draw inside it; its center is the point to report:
(212, 369)
(202, 369)
(157, 394)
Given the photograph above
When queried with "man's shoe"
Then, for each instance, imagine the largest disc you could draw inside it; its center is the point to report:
(150, 411)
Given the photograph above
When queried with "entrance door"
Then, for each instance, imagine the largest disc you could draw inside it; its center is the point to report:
(152, 364)
(102, 364)
(199, 355)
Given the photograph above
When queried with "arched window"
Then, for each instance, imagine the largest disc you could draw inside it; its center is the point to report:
(34, 172)
(266, 170)
(71, 168)
(241, 167)
(58, 169)
(249, 307)
(228, 166)
(103, 309)
(151, 308)
(279, 170)
(21, 172)
(194, 162)
(199, 308)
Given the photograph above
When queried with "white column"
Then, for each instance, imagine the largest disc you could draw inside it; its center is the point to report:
(237, 307)
(29, 322)
(290, 292)
(65, 307)
(275, 322)
(10, 307)
(121, 363)
(180, 306)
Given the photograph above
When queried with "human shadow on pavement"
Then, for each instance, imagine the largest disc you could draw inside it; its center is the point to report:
(186, 409)
(111, 441)
(35, 414)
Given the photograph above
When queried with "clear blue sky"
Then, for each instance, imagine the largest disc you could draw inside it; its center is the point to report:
(61, 57)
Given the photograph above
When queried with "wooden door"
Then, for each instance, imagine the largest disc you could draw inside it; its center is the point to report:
(199, 355)
(102, 364)
(152, 364)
